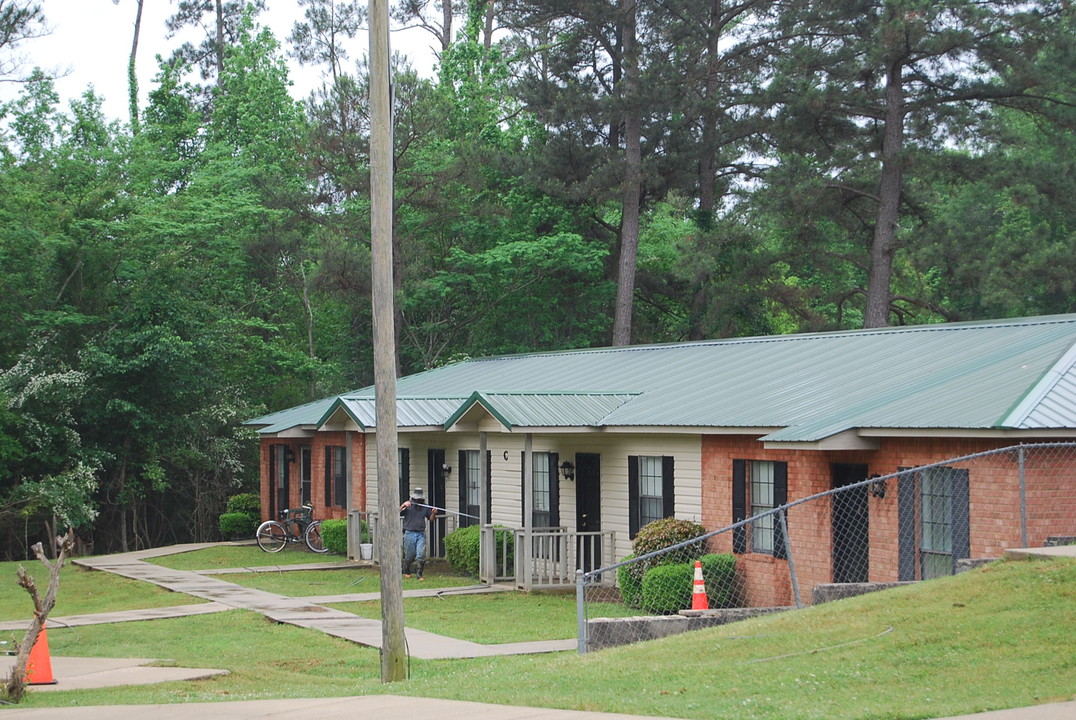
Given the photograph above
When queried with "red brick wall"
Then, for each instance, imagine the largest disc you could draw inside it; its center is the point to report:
(317, 445)
(994, 512)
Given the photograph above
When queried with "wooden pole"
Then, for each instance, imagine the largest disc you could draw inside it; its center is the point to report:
(390, 534)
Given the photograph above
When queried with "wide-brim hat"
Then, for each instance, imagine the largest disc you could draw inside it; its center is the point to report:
(417, 493)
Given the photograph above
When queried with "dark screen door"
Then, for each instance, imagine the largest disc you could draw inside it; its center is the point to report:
(851, 525)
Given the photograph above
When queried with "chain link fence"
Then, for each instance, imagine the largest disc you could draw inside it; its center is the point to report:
(915, 524)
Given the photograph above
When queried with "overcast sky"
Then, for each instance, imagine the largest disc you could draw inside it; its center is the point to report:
(91, 41)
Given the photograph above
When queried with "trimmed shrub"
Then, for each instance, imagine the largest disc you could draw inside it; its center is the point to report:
(652, 537)
(630, 580)
(238, 525)
(719, 574)
(334, 535)
(462, 548)
(242, 515)
(666, 532)
(667, 589)
(249, 503)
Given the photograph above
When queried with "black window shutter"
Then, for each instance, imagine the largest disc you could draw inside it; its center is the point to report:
(780, 497)
(668, 501)
(340, 480)
(633, 496)
(906, 501)
(554, 490)
(960, 479)
(739, 505)
(328, 476)
(523, 488)
(405, 474)
(461, 477)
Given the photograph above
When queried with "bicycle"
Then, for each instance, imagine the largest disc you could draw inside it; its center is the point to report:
(295, 525)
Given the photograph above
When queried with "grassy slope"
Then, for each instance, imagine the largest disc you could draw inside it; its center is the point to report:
(81, 591)
(997, 637)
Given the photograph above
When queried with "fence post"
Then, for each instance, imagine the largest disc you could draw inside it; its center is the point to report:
(1020, 454)
(791, 563)
(580, 613)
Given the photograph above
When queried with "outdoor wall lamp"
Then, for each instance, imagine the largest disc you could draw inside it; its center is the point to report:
(877, 487)
(446, 469)
(567, 469)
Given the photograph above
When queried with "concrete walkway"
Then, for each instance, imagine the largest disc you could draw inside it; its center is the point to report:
(303, 611)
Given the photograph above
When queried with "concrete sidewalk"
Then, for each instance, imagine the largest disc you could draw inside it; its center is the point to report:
(309, 612)
(402, 708)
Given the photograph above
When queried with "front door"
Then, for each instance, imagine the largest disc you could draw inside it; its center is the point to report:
(281, 492)
(588, 516)
(851, 525)
(436, 473)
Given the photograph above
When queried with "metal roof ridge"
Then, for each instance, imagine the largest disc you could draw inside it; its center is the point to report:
(801, 337)
(557, 393)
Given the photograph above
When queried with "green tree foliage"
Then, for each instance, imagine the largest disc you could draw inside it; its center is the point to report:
(163, 285)
(20, 20)
(870, 91)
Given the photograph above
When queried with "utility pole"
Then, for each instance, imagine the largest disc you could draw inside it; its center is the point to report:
(389, 532)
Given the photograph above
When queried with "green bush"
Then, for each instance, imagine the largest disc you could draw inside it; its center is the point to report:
(666, 532)
(667, 589)
(238, 525)
(630, 580)
(249, 503)
(334, 535)
(243, 513)
(462, 548)
(719, 575)
(652, 537)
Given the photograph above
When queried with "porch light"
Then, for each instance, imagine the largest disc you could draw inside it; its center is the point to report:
(567, 469)
(446, 469)
(877, 487)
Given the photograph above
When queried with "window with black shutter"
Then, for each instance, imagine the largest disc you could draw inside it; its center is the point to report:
(651, 488)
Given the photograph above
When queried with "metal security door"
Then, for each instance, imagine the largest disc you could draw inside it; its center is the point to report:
(851, 525)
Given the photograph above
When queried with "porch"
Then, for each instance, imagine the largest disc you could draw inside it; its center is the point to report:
(555, 553)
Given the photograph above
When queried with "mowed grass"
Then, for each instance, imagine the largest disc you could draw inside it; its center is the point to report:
(997, 637)
(342, 581)
(81, 591)
(491, 618)
(242, 556)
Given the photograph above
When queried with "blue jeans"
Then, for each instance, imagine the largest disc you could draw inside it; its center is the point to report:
(414, 550)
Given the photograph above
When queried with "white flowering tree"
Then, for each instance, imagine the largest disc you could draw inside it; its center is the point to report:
(47, 472)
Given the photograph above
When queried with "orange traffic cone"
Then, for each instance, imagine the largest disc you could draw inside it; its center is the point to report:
(39, 666)
(698, 593)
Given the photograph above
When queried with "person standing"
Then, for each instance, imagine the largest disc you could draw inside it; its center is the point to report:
(415, 513)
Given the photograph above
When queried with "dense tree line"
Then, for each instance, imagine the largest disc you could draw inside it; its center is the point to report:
(579, 173)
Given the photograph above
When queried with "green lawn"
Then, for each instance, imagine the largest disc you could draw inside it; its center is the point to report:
(997, 637)
(358, 579)
(241, 556)
(491, 618)
(81, 591)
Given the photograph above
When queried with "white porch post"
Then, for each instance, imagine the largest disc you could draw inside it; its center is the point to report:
(487, 546)
(354, 524)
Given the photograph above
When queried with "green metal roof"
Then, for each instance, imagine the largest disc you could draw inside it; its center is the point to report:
(1001, 374)
(544, 409)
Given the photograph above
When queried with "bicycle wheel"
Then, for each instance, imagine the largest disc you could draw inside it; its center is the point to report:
(313, 537)
(272, 536)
